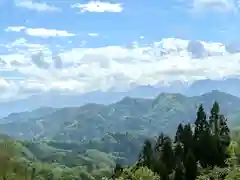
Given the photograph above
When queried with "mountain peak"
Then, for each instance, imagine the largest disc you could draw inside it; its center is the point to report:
(126, 100)
(218, 93)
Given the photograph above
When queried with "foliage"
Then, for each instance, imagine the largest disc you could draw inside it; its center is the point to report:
(142, 173)
(202, 150)
(208, 143)
(132, 115)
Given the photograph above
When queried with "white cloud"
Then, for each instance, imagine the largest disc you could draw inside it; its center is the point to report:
(47, 32)
(22, 42)
(23, 47)
(37, 6)
(97, 6)
(41, 32)
(87, 69)
(93, 34)
(7, 89)
(31, 87)
(217, 5)
(15, 28)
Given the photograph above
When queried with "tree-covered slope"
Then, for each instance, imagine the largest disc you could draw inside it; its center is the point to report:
(200, 150)
(141, 116)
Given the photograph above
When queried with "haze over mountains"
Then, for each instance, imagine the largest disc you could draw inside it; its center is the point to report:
(107, 74)
(58, 100)
(144, 117)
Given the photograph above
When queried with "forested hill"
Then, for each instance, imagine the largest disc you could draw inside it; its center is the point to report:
(145, 117)
(201, 150)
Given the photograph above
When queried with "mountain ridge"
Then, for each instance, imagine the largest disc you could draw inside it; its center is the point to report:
(57, 100)
(142, 116)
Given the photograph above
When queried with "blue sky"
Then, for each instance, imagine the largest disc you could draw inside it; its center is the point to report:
(151, 19)
(74, 45)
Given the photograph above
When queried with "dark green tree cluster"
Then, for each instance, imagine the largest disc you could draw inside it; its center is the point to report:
(199, 145)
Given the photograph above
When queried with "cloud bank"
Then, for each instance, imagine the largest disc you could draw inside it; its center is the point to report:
(36, 6)
(40, 32)
(99, 7)
(35, 69)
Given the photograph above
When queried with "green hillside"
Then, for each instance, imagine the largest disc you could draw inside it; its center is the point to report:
(141, 116)
(201, 150)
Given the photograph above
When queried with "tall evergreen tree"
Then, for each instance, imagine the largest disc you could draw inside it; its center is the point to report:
(201, 132)
(190, 165)
(214, 118)
(167, 155)
(146, 156)
(179, 172)
(201, 123)
(159, 143)
(178, 136)
(224, 129)
(221, 134)
(178, 153)
(163, 172)
(187, 138)
(203, 148)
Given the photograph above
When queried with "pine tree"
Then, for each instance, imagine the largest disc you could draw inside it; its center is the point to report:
(201, 123)
(146, 157)
(178, 152)
(201, 132)
(163, 172)
(178, 136)
(214, 118)
(167, 155)
(179, 172)
(190, 165)
(203, 148)
(160, 140)
(224, 131)
(187, 138)
(221, 136)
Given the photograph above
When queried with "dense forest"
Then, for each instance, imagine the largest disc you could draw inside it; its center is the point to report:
(203, 150)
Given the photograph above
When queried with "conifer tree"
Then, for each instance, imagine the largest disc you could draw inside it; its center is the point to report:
(203, 148)
(190, 165)
(179, 172)
(159, 143)
(178, 153)
(158, 146)
(214, 118)
(201, 123)
(224, 130)
(187, 138)
(167, 155)
(178, 136)
(163, 172)
(201, 132)
(221, 136)
(146, 156)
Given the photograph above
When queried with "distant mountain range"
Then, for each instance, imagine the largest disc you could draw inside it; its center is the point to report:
(145, 117)
(55, 100)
